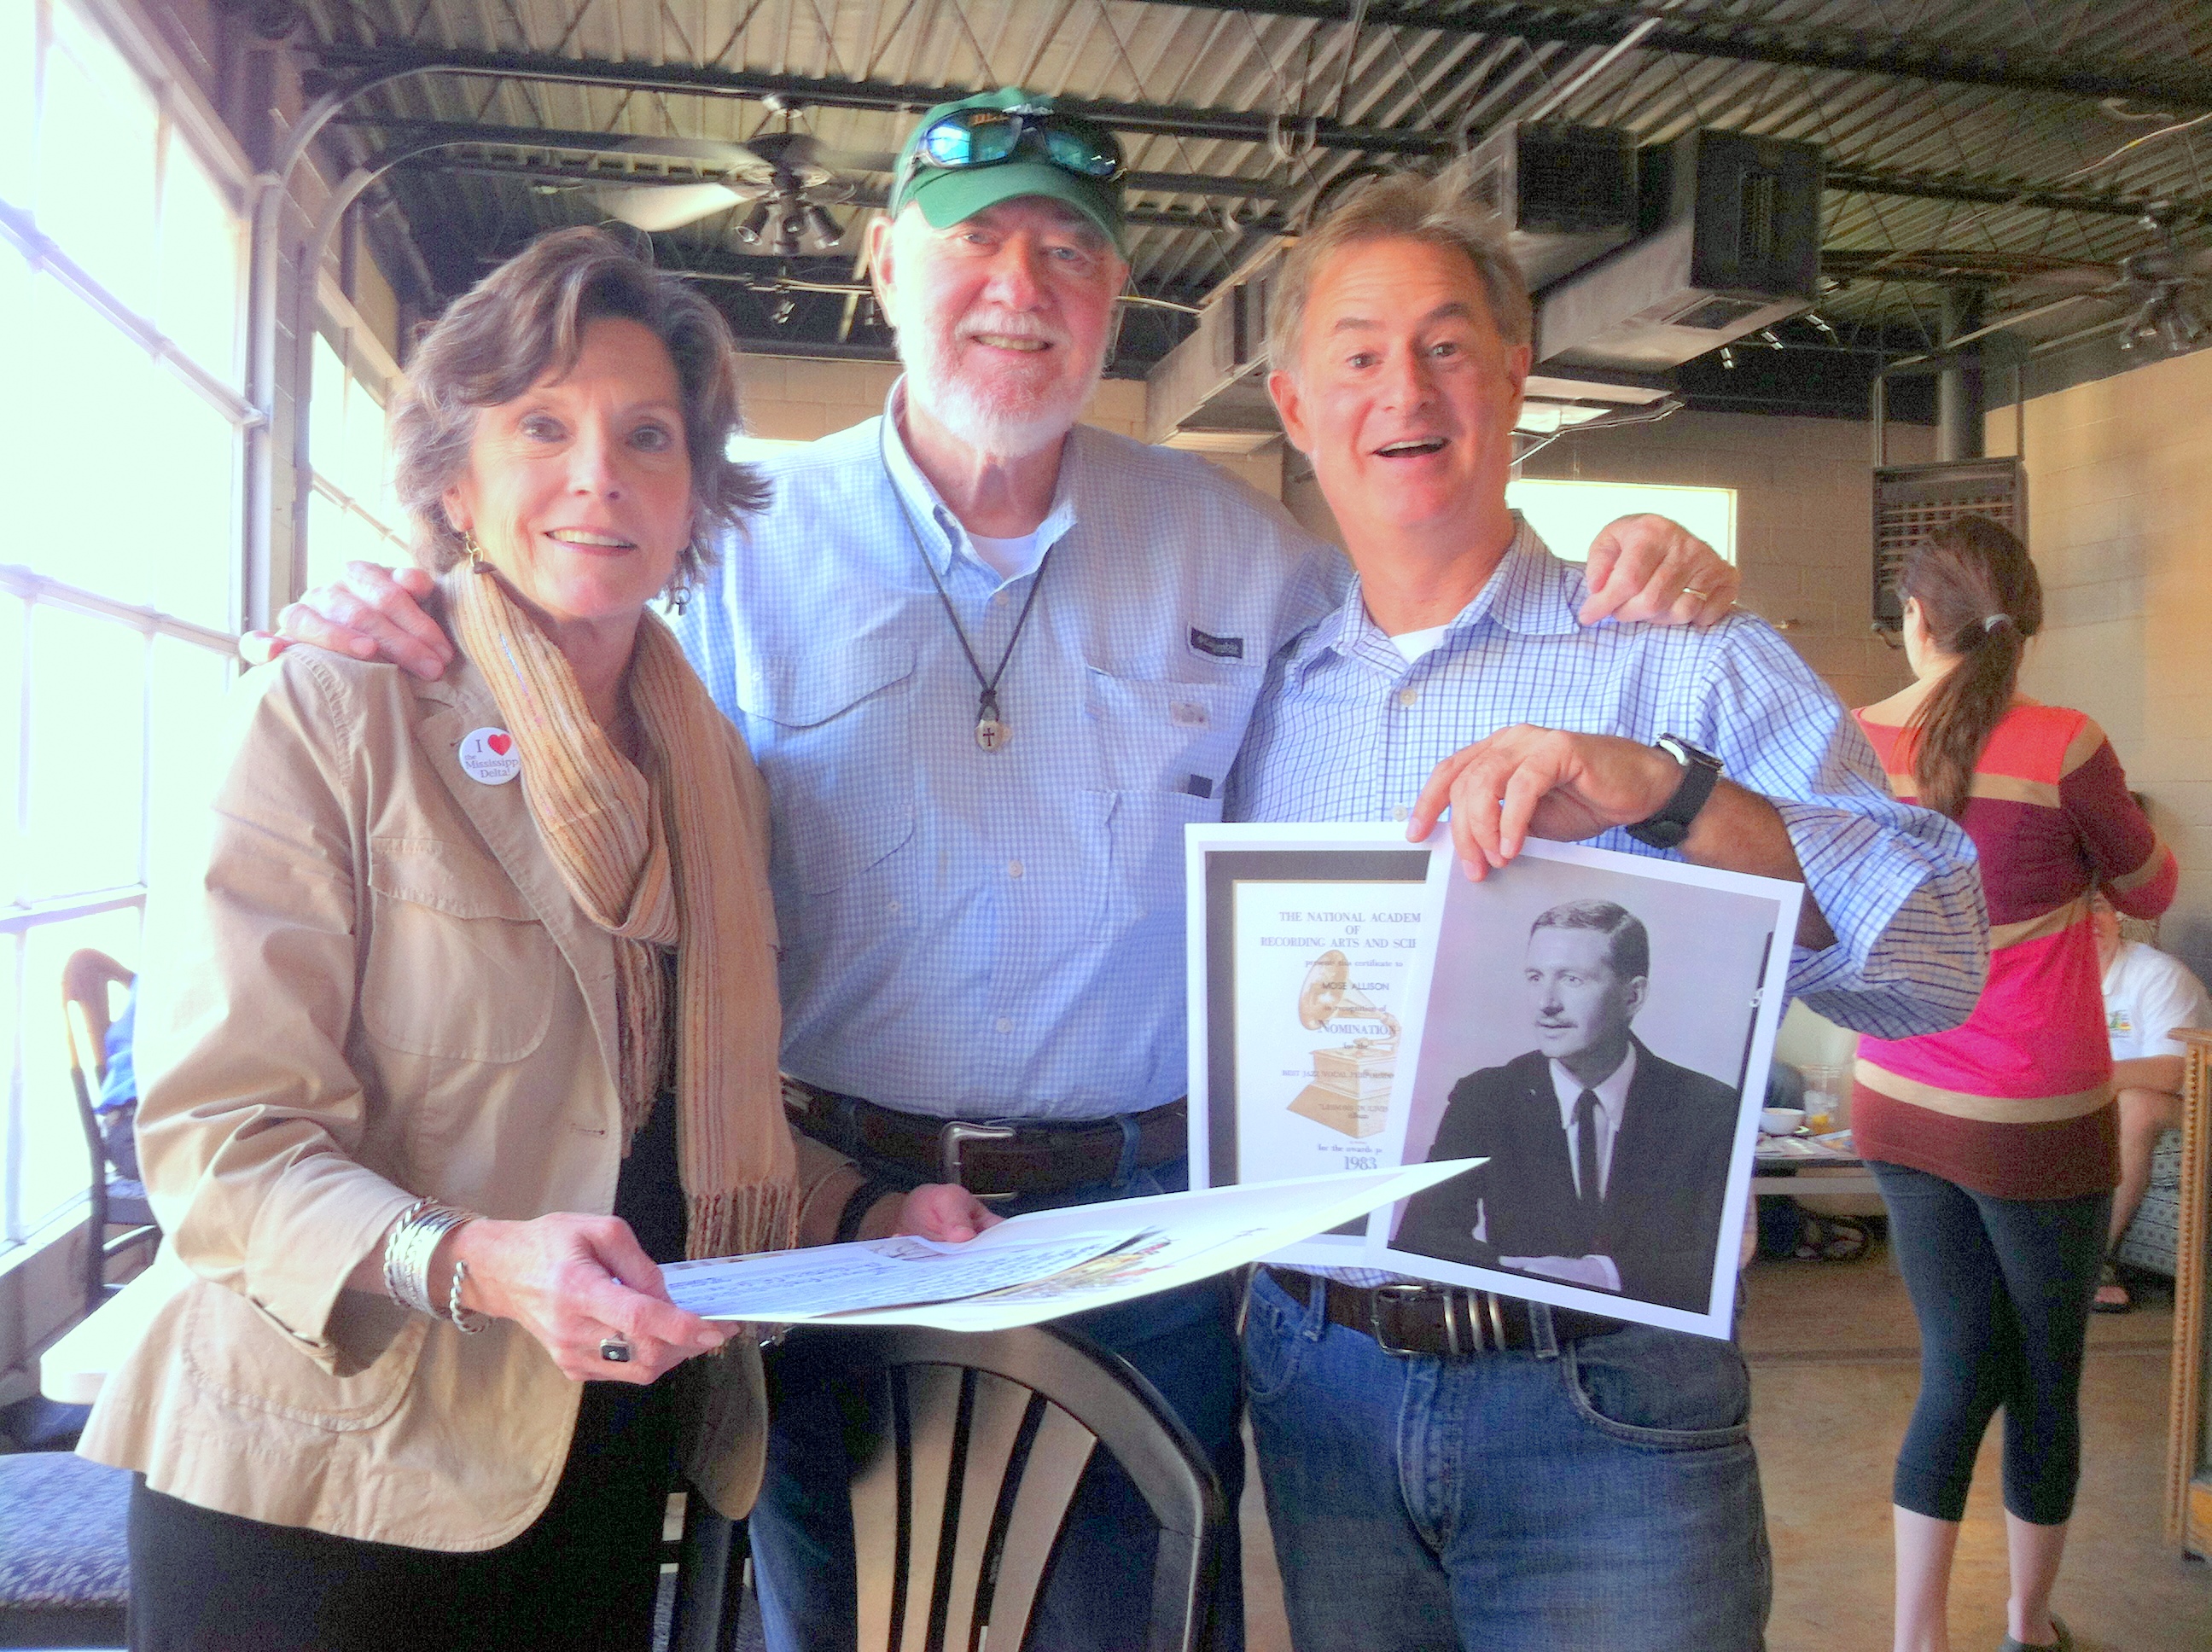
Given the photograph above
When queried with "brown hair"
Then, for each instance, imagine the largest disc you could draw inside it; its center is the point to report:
(1404, 206)
(526, 320)
(1981, 601)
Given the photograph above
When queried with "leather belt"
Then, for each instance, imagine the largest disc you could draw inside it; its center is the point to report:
(995, 1160)
(1438, 1319)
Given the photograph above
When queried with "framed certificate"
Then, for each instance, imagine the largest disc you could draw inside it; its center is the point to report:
(1304, 946)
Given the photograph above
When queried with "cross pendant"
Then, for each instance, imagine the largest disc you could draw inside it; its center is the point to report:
(991, 733)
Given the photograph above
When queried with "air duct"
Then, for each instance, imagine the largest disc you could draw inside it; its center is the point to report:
(1732, 245)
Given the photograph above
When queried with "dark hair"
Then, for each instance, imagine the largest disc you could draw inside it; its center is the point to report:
(1981, 601)
(1630, 952)
(525, 320)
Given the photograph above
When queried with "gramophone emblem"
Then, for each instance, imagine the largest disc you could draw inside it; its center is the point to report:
(1351, 1088)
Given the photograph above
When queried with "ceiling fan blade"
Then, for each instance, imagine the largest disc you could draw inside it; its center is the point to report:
(657, 207)
(2082, 278)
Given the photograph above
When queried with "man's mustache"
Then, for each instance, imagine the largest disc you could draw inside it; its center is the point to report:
(1012, 324)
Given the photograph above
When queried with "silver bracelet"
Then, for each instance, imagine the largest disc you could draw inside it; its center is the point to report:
(463, 1319)
(407, 1256)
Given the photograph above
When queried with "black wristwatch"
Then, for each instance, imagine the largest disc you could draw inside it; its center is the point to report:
(1701, 772)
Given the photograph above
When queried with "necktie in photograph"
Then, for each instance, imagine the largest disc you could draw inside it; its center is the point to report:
(1588, 1186)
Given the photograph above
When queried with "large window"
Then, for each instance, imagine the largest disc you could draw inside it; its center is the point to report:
(122, 277)
(1567, 514)
(351, 514)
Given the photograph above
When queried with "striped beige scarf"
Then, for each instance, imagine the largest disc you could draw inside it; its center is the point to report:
(656, 862)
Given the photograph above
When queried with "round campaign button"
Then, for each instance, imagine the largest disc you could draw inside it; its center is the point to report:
(489, 755)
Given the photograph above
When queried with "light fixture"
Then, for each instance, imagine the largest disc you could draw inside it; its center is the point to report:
(786, 308)
(1728, 358)
(2166, 322)
(787, 231)
(825, 229)
(755, 226)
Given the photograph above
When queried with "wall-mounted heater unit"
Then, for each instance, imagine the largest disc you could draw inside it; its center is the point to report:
(1733, 245)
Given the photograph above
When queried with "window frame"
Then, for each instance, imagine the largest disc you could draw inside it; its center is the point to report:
(181, 116)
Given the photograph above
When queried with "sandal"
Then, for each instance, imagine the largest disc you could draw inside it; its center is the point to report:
(2108, 1280)
(2064, 1642)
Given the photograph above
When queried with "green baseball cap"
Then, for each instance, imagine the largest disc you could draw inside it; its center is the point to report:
(978, 151)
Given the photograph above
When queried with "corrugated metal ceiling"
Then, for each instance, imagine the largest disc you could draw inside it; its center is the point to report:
(1433, 73)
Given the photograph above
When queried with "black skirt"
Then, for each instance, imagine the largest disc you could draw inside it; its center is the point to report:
(583, 1576)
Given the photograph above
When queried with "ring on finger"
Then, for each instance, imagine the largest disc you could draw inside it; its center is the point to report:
(1693, 591)
(616, 1351)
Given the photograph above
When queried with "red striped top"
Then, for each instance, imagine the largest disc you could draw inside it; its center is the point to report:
(2017, 1102)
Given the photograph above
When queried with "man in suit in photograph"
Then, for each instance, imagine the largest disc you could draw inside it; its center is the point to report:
(1608, 1166)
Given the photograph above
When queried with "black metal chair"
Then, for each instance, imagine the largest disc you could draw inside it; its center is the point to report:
(956, 1516)
(114, 1201)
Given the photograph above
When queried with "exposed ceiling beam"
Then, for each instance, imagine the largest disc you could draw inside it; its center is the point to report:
(1714, 34)
(1230, 124)
(530, 171)
(1233, 125)
(718, 153)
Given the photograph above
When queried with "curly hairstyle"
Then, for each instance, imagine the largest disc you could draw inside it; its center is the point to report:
(525, 321)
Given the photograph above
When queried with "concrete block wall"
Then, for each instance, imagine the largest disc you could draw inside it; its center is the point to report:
(2119, 487)
(1804, 520)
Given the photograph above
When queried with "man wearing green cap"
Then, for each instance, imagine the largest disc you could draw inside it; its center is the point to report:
(991, 662)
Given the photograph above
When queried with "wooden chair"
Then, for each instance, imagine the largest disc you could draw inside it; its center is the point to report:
(115, 1201)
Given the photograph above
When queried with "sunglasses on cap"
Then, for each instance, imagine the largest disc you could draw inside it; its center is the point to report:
(967, 138)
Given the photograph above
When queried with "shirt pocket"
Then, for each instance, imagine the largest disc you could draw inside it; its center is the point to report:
(832, 735)
(1163, 736)
(460, 967)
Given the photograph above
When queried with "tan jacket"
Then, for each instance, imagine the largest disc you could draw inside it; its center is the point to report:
(382, 989)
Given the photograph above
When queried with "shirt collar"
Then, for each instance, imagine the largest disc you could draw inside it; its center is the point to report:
(940, 531)
(1530, 592)
(1612, 1093)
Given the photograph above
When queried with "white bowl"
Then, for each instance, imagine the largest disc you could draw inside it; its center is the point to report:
(1780, 1120)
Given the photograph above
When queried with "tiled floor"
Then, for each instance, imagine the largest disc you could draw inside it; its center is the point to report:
(1834, 1359)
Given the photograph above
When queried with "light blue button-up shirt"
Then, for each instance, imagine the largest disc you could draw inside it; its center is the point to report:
(979, 934)
(1349, 731)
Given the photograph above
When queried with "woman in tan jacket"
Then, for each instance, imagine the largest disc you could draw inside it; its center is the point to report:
(470, 1024)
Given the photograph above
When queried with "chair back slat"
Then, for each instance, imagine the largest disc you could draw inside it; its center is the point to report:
(882, 1507)
(1057, 1454)
(995, 1445)
(982, 1439)
(928, 1436)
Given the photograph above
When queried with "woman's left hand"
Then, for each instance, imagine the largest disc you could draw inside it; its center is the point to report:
(943, 1210)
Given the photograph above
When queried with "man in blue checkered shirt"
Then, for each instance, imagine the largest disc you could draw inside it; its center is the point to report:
(1443, 1468)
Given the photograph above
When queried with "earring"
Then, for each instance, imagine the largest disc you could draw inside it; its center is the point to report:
(478, 564)
(680, 598)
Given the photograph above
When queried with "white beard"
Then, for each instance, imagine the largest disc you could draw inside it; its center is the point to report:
(1006, 426)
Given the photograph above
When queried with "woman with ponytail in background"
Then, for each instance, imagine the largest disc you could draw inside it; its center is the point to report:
(1995, 1143)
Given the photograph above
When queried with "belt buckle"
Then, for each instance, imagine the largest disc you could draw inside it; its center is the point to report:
(951, 1141)
(1460, 1308)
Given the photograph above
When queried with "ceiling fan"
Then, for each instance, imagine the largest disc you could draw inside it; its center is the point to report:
(2163, 288)
(791, 179)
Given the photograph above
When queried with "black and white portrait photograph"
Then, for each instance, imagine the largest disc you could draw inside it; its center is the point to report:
(1587, 1028)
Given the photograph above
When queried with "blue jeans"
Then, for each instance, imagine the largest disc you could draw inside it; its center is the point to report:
(1183, 1341)
(2002, 1288)
(1599, 1494)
